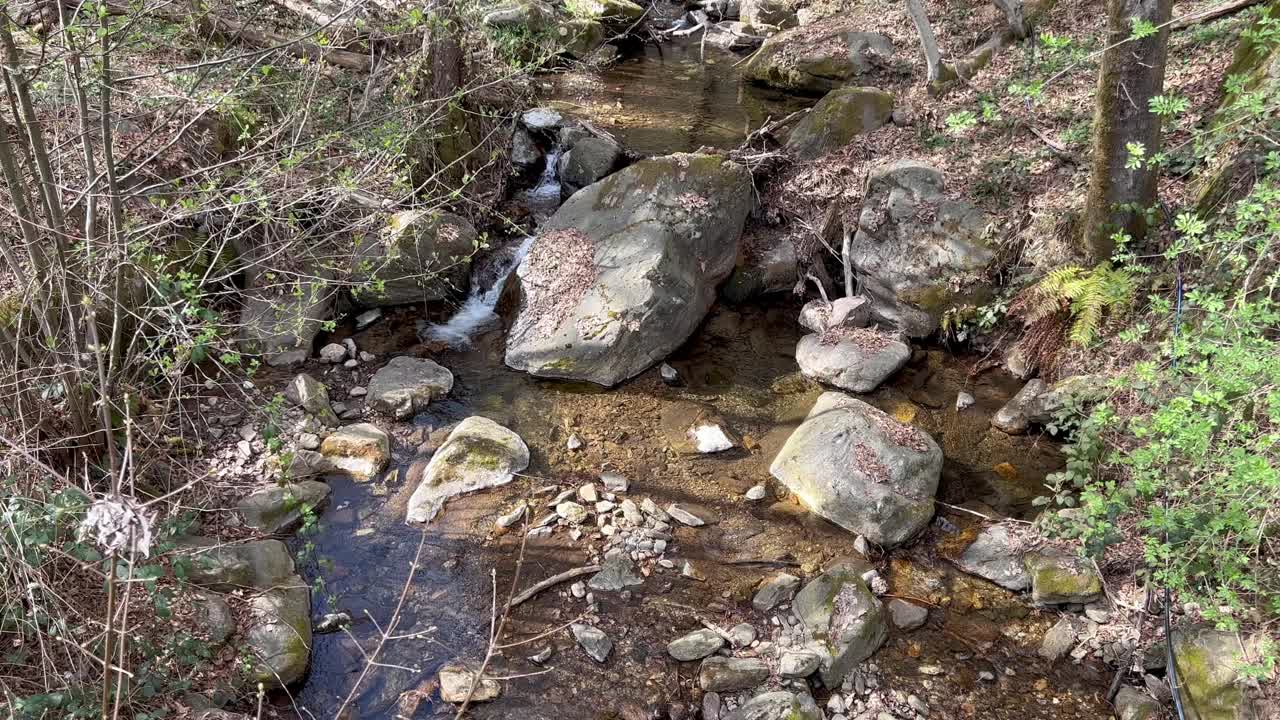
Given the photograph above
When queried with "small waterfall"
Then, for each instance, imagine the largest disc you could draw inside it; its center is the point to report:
(476, 314)
(543, 199)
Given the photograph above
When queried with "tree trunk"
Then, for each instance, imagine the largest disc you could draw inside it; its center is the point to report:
(1012, 10)
(1132, 73)
(932, 55)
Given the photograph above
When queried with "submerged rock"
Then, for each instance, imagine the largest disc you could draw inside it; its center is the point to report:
(593, 641)
(817, 60)
(419, 256)
(724, 674)
(779, 705)
(456, 681)
(917, 250)
(361, 451)
(695, 646)
(840, 612)
(996, 555)
(478, 454)
(861, 469)
(405, 386)
(1059, 578)
(279, 635)
(838, 118)
(626, 269)
(854, 359)
(280, 509)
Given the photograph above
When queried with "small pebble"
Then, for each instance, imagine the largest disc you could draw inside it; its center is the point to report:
(756, 492)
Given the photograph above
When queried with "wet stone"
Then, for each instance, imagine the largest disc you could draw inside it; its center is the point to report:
(592, 640)
(695, 646)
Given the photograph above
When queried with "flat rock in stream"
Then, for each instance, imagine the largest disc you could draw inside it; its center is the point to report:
(478, 454)
(627, 268)
(406, 385)
(361, 451)
(280, 508)
(861, 469)
(996, 555)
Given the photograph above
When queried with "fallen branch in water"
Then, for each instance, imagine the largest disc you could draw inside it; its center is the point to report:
(552, 582)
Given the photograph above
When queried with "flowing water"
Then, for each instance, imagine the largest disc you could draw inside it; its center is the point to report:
(741, 365)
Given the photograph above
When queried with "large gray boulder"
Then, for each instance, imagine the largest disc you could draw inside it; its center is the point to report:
(626, 269)
(854, 359)
(818, 60)
(848, 621)
(839, 117)
(589, 160)
(478, 454)
(419, 256)
(406, 385)
(917, 250)
(861, 469)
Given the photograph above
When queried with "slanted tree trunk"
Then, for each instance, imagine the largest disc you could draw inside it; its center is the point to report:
(1132, 73)
(932, 55)
(1012, 10)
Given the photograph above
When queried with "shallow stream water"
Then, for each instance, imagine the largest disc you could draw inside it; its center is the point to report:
(740, 365)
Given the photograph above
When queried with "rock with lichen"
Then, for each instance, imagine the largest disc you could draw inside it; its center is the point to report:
(478, 454)
(918, 250)
(627, 268)
(1058, 578)
(861, 469)
(1211, 666)
(839, 117)
(819, 58)
(839, 611)
(854, 359)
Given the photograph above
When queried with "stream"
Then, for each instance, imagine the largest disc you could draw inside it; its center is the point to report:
(741, 363)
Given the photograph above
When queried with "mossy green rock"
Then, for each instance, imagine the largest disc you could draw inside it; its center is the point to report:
(838, 118)
(579, 37)
(1061, 578)
(228, 567)
(1209, 663)
(280, 509)
(478, 454)
(279, 636)
(816, 60)
(610, 12)
(840, 612)
(418, 256)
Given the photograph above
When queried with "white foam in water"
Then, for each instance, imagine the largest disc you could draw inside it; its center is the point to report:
(476, 314)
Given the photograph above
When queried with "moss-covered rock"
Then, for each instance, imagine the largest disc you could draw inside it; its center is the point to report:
(616, 13)
(223, 567)
(418, 256)
(579, 37)
(478, 454)
(918, 250)
(280, 509)
(1058, 578)
(279, 637)
(361, 451)
(848, 621)
(818, 59)
(1209, 669)
(839, 117)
